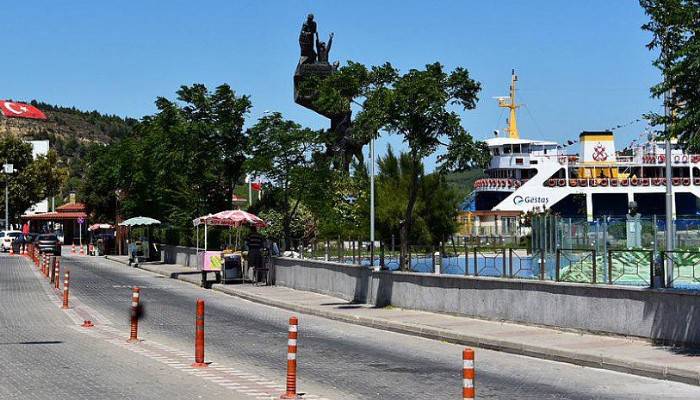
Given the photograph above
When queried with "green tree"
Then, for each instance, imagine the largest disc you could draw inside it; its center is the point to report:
(415, 106)
(436, 206)
(675, 26)
(281, 151)
(51, 172)
(181, 163)
(33, 180)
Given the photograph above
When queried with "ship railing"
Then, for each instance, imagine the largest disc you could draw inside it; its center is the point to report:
(498, 183)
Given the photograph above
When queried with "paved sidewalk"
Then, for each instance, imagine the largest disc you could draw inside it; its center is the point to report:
(47, 355)
(628, 355)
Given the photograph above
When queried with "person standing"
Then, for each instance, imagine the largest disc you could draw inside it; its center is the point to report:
(25, 236)
(254, 242)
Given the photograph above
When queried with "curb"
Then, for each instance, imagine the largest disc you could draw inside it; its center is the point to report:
(600, 361)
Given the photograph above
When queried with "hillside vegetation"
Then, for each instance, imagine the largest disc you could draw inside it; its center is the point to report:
(70, 133)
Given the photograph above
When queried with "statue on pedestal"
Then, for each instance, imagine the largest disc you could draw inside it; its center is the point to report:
(634, 227)
(340, 143)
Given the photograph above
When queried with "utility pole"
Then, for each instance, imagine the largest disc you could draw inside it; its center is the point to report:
(371, 201)
(669, 216)
(7, 203)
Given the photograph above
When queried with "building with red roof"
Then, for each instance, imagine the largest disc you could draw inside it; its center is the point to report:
(65, 217)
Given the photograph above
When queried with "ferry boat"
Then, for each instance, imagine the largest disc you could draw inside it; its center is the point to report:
(535, 175)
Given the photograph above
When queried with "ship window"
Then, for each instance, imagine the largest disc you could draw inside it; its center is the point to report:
(495, 151)
(516, 148)
(525, 148)
(507, 149)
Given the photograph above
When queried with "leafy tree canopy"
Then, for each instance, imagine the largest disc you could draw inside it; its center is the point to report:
(282, 151)
(180, 163)
(34, 179)
(675, 26)
(418, 106)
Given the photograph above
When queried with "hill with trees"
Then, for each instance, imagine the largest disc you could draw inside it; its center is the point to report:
(71, 132)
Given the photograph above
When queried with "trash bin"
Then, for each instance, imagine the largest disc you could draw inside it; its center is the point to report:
(232, 269)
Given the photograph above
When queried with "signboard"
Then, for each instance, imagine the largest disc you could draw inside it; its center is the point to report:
(210, 260)
(8, 168)
(81, 220)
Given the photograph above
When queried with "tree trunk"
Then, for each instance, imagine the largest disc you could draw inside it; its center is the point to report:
(405, 229)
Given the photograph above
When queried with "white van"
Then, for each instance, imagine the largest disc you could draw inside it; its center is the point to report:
(6, 238)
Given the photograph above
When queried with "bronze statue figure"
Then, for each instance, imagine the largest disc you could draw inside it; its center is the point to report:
(306, 40)
(322, 49)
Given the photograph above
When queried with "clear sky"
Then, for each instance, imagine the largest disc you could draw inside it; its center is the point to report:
(582, 65)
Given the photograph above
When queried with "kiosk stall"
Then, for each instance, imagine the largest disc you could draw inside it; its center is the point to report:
(140, 249)
(215, 261)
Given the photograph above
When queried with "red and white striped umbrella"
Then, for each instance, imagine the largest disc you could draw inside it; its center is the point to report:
(231, 218)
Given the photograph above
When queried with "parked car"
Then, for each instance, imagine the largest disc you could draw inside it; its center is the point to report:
(60, 235)
(48, 243)
(6, 239)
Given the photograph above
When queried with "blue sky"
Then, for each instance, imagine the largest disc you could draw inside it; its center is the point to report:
(582, 65)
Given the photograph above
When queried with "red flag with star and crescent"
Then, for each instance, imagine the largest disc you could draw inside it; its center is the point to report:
(20, 110)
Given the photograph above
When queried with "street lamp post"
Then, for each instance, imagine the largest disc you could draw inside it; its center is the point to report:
(371, 202)
(7, 169)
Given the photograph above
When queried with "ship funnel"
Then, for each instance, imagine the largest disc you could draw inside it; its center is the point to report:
(598, 147)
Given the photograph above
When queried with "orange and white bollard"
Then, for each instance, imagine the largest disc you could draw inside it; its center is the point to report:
(52, 265)
(133, 334)
(199, 336)
(57, 274)
(468, 391)
(12, 250)
(292, 336)
(82, 250)
(65, 289)
(72, 248)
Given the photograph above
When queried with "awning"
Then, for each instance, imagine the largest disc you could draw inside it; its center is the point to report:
(54, 216)
(95, 227)
(140, 221)
(230, 218)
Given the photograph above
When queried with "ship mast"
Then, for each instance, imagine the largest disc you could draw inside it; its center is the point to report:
(509, 102)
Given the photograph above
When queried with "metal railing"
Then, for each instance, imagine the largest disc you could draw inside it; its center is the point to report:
(630, 267)
(685, 267)
(578, 265)
(625, 267)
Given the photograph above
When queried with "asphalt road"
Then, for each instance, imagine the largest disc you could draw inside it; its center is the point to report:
(339, 360)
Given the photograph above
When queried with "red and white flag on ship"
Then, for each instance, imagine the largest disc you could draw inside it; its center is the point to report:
(20, 110)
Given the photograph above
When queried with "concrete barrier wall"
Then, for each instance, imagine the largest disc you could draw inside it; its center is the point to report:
(180, 255)
(348, 282)
(663, 315)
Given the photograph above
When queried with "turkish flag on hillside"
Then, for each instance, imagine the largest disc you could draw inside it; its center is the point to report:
(20, 110)
(257, 186)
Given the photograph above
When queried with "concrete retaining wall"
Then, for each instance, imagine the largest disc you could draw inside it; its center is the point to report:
(663, 315)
